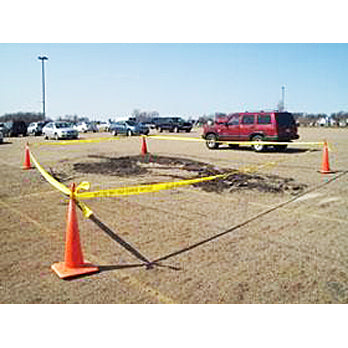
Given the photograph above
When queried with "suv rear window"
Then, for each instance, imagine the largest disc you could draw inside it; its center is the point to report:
(264, 119)
(285, 119)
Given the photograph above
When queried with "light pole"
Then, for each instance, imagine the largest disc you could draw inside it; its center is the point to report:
(283, 98)
(43, 58)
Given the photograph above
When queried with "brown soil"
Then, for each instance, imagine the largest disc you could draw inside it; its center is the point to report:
(126, 166)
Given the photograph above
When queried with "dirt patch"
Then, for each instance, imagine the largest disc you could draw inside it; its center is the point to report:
(119, 166)
(181, 168)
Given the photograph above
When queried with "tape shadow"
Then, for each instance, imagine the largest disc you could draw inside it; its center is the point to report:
(146, 262)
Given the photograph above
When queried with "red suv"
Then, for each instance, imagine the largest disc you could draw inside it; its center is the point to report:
(251, 126)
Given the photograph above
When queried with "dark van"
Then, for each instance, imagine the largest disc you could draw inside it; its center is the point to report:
(16, 128)
(252, 126)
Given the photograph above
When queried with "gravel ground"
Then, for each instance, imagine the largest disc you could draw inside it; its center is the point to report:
(216, 242)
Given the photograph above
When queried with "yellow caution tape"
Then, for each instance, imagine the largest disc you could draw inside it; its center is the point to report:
(141, 189)
(87, 212)
(84, 185)
(55, 183)
(194, 139)
(76, 142)
(137, 190)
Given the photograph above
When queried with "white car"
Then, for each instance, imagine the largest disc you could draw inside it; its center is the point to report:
(82, 127)
(103, 126)
(59, 130)
(35, 128)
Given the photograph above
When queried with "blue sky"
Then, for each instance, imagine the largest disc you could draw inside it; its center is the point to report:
(103, 81)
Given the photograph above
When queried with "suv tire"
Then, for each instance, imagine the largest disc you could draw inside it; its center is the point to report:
(258, 148)
(211, 141)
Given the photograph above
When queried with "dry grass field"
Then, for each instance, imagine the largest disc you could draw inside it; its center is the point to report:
(217, 243)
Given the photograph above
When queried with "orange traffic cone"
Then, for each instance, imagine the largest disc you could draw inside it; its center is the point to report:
(325, 167)
(144, 147)
(27, 164)
(73, 264)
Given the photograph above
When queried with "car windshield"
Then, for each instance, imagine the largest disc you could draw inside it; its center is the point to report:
(131, 123)
(62, 125)
(285, 119)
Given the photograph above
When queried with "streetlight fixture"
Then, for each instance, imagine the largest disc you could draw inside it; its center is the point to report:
(43, 58)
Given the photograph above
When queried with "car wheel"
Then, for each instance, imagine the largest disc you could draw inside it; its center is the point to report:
(176, 130)
(129, 133)
(114, 132)
(45, 137)
(161, 130)
(280, 147)
(56, 137)
(258, 148)
(211, 142)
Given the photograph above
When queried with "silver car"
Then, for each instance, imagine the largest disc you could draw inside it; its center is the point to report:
(128, 128)
(59, 130)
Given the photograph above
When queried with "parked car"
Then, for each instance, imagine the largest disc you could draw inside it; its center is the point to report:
(59, 130)
(252, 126)
(3, 128)
(35, 128)
(128, 128)
(14, 129)
(81, 127)
(172, 124)
(103, 126)
(92, 127)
